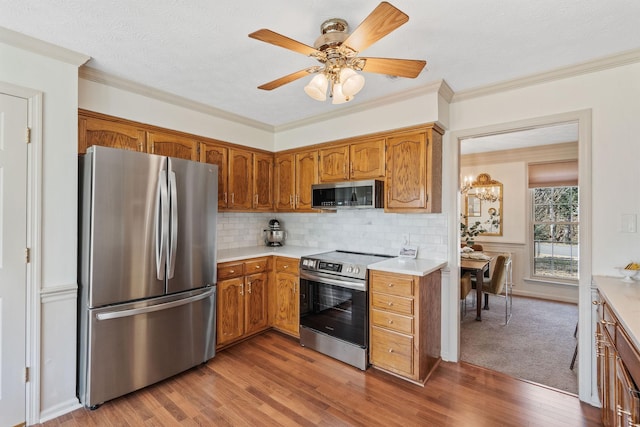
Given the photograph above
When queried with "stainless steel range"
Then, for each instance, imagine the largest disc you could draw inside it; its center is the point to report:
(334, 315)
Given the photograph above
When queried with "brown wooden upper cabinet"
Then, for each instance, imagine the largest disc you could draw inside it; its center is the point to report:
(294, 175)
(262, 181)
(414, 171)
(240, 195)
(171, 145)
(107, 133)
(218, 155)
(362, 160)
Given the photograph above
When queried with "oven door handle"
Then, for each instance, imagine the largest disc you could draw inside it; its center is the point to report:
(342, 283)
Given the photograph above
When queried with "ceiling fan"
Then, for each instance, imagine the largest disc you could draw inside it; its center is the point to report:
(337, 51)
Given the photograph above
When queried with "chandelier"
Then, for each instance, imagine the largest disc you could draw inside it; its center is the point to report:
(487, 196)
(466, 184)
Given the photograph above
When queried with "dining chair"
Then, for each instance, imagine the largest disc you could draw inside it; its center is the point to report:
(465, 288)
(501, 281)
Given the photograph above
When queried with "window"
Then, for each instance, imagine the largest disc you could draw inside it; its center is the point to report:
(555, 232)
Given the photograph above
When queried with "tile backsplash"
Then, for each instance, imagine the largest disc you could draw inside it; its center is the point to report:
(367, 230)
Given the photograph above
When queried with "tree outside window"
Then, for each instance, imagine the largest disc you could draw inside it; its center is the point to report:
(555, 232)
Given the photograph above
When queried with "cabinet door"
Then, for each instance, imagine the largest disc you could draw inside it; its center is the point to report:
(627, 398)
(217, 155)
(306, 175)
(256, 307)
(92, 131)
(334, 163)
(263, 182)
(367, 159)
(406, 171)
(166, 144)
(287, 314)
(284, 171)
(230, 310)
(240, 179)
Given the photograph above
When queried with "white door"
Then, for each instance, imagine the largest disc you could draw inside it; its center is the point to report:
(13, 267)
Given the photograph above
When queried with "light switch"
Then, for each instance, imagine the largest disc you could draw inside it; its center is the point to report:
(628, 223)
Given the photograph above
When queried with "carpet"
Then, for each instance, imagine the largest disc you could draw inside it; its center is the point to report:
(537, 345)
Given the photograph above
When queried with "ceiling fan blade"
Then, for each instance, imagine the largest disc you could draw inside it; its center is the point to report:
(394, 67)
(384, 19)
(288, 78)
(272, 37)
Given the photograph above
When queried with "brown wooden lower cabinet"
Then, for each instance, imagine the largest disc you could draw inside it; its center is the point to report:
(405, 324)
(242, 299)
(285, 296)
(618, 370)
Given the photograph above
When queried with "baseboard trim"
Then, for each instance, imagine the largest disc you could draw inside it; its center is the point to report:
(60, 409)
(550, 297)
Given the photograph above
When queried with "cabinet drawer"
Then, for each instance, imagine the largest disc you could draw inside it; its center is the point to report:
(393, 284)
(287, 265)
(392, 351)
(229, 270)
(386, 319)
(257, 265)
(392, 303)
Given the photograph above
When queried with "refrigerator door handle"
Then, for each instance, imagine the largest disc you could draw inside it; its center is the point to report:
(174, 225)
(150, 309)
(162, 224)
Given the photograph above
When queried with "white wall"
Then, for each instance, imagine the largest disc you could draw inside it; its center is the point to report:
(613, 97)
(56, 284)
(132, 106)
(394, 114)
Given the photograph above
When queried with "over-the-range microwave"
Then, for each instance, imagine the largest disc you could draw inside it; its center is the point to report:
(348, 194)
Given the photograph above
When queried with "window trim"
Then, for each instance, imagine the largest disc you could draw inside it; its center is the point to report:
(531, 276)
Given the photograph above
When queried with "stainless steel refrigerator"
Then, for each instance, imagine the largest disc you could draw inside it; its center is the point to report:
(147, 270)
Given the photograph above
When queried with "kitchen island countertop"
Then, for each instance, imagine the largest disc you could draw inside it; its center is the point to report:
(415, 267)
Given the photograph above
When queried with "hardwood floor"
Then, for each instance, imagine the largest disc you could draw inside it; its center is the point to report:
(272, 380)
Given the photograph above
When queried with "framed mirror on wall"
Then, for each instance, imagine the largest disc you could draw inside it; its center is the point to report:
(483, 204)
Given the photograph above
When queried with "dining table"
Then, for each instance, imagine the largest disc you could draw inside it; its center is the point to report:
(478, 265)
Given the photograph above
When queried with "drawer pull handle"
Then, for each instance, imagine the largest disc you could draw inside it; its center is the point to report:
(390, 350)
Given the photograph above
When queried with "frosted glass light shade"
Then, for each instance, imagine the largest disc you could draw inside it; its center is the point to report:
(338, 95)
(317, 87)
(351, 81)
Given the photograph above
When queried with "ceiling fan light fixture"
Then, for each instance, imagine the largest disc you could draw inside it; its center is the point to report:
(338, 96)
(317, 87)
(351, 81)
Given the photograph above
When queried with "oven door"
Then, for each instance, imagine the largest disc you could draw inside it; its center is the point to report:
(334, 309)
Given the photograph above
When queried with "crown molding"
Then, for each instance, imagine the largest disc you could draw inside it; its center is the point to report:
(433, 87)
(31, 44)
(625, 58)
(91, 74)
(539, 153)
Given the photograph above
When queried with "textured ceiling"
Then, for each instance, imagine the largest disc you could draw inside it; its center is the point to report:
(555, 134)
(199, 49)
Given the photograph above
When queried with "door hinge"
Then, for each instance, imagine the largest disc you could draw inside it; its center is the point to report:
(26, 374)
(27, 136)
(27, 255)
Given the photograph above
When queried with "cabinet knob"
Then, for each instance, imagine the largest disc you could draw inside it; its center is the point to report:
(390, 285)
(390, 322)
(232, 271)
(257, 267)
(285, 266)
(390, 350)
(390, 304)
(606, 322)
(596, 302)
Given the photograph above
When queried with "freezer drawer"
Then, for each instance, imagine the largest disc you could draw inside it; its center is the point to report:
(137, 344)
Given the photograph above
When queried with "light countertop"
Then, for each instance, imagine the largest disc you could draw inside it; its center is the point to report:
(415, 267)
(624, 299)
(226, 255)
